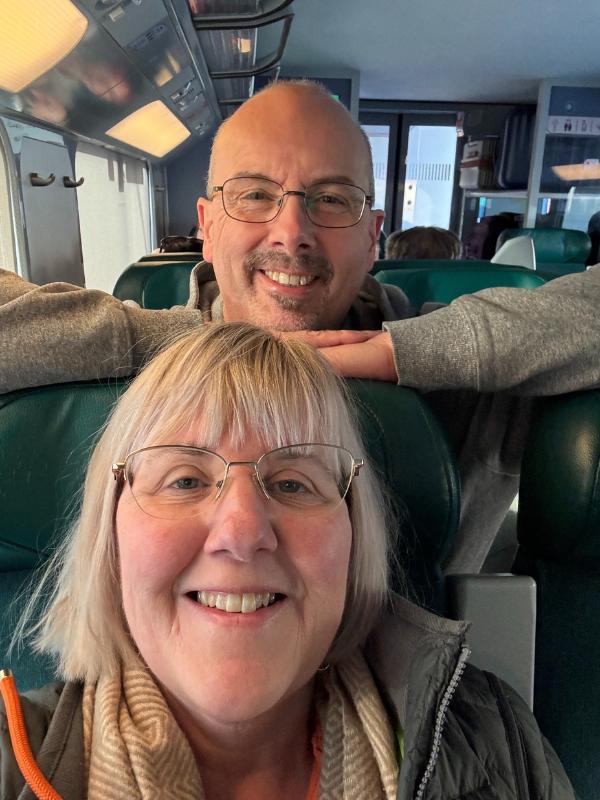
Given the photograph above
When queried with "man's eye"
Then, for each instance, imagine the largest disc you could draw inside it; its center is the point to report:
(328, 200)
(257, 195)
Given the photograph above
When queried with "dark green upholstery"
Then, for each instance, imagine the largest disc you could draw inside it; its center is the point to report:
(442, 285)
(171, 258)
(46, 435)
(431, 263)
(559, 538)
(558, 251)
(132, 282)
(168, 287)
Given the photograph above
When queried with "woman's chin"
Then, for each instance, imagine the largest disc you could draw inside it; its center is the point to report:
(235, 691)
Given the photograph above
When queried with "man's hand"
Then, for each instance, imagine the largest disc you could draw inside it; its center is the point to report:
(354, 354)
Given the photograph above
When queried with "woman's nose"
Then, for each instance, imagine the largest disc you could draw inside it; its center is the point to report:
(240, 521)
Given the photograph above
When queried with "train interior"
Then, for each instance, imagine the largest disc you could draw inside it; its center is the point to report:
(482, 120)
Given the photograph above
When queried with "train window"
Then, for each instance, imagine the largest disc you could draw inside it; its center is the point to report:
(7, 249)
(114, 213)
(379, 139)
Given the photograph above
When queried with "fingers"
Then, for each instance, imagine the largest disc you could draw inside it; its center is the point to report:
(331, 338)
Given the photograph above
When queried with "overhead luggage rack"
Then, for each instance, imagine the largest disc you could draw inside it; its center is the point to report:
(242, 43)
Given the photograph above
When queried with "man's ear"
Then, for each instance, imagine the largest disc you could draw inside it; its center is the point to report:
(377, 217)
(205, 227)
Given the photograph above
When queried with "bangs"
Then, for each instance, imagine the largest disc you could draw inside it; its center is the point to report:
(238, 381)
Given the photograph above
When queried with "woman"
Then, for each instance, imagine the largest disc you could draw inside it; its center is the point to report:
(222, 618)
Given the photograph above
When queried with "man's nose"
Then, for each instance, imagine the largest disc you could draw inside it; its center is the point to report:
(292, 230)
(240, 521)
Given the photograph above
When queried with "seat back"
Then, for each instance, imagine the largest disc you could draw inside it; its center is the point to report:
(442, 285)
(429, 263)
(132, 282)
(559, 546)
(558, 251)
(168, 287)
(47, 433)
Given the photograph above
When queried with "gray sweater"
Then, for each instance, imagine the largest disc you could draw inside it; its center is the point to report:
(493, 350)
(466, 735)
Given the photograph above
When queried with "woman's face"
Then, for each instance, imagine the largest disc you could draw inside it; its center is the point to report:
(228, 666)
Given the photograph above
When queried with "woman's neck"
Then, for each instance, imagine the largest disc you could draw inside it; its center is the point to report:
(268, 757)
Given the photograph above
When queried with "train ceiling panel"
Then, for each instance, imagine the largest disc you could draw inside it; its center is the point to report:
(133, 67)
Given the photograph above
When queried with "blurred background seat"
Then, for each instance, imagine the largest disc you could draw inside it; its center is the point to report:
(559, 546)
(446, 283)
(558, 251)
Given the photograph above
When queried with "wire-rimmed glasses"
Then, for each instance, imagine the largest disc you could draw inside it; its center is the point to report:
(328, 204)
(178, 481)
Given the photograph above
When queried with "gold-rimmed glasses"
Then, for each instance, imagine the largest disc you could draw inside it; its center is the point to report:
(177, 481)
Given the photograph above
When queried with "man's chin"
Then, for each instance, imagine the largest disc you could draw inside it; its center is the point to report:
(286, 315)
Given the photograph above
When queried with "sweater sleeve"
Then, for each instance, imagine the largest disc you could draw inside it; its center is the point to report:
(527, 342)
(60, 332)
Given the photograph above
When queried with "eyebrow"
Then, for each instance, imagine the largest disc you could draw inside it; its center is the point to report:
(323, 179)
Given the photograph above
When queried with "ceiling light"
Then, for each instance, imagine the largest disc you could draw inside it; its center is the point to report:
(588, 171)
(152, 128)
(36, 37)
(244, 44)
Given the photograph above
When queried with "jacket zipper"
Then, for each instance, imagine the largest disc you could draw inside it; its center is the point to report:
(513, 737)
(440, 720)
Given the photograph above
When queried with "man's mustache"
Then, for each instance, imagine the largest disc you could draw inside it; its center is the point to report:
(306, 263)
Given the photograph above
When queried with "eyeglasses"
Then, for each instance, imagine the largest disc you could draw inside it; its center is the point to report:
(177, 481)
(328, 205)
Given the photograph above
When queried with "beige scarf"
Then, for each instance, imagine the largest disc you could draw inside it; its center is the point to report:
(134, 749)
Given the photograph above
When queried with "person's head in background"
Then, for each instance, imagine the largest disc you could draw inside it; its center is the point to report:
(297, 260)
(180, 244)
(422, 242)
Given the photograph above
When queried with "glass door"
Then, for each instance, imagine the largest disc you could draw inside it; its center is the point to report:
(427, 171)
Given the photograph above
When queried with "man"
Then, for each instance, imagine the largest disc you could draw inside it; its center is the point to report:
(289, 229)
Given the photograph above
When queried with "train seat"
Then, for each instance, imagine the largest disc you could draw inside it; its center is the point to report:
(133, 280)
(168, 287)
(558, 251)
(46, 435)
(444, 284)
(430, 263)
(559, 546)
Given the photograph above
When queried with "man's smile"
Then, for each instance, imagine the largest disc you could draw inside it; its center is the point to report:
(287, 279)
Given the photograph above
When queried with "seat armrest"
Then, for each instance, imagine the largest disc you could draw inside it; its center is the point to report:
(502, 612)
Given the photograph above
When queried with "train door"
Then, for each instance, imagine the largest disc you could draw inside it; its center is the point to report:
(50, 209)
(426, 170)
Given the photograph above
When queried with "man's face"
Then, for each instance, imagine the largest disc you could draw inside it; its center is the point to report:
(289, 274)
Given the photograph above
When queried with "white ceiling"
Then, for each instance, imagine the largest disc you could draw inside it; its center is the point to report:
(463, 50)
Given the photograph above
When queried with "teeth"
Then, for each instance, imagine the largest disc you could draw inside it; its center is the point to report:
(235, 603)
(285, 279)
(249, 603)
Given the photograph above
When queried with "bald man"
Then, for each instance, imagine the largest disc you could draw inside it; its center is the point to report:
(290, 235)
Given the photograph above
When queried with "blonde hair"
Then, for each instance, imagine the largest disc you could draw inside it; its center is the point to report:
(231, 377)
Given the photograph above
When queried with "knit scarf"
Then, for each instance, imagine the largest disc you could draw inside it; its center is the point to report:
(134, 749)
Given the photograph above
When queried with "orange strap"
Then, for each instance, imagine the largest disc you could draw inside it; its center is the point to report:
(18, 737)
(317, 748)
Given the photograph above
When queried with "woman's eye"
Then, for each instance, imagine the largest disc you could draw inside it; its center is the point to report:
(185, 483)
(289, 486)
